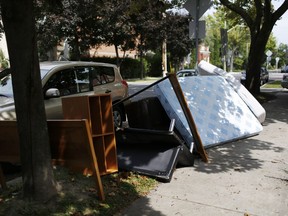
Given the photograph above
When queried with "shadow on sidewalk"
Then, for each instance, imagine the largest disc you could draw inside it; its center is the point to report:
(240, 155)
(235, 156)
(277, 109)
(143, 208)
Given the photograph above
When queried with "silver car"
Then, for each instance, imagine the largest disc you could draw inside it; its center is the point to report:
(187, 72)
(66, 79)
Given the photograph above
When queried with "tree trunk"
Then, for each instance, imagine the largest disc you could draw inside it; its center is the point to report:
(256, 59)
(117, 56)
(37, 173)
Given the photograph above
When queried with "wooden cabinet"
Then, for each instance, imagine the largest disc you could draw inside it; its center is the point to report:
(97, 109)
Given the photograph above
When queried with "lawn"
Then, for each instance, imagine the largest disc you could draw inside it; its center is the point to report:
(274, 84)
(77, 195)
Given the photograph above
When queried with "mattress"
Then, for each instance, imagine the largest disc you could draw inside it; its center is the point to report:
(220, 115)
(206, 68)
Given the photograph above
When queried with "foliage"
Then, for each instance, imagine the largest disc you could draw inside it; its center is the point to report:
(129, 69)
(282, 53)
(238, 40)
(155, 66)
(213, 24)
(178, 42)
(77, 21)
(259, 17)
(4, 63)
(116, 26)
(126, 25)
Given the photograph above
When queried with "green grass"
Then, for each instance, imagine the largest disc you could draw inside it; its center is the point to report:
(274, 84)
(77, 195)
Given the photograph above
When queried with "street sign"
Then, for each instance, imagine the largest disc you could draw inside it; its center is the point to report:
(201, 30)
(191, 7)
(268, 53)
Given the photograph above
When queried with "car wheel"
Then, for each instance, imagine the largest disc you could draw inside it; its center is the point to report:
(117, 115)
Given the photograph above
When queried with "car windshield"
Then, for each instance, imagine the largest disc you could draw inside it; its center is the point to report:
(184, 73)
(6, 84)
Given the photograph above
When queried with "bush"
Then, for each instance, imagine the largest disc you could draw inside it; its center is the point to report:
(155, 65)
(129, 69)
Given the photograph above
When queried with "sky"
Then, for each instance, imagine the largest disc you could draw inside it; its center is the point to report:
(280, 30)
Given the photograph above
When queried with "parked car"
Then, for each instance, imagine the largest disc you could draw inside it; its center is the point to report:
(284, 69)
(284, 81)
(66, 79)
(187, 72)
(264, 76)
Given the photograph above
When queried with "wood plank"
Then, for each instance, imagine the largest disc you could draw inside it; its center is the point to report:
(71, 146)
(179, 93)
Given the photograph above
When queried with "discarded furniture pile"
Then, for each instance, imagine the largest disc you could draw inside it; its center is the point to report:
(186, 116)
(206, 110)
(83, 142)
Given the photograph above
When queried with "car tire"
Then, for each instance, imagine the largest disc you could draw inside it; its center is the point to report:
(117, 117)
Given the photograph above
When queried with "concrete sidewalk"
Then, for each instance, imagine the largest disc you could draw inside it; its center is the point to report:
(247, 177)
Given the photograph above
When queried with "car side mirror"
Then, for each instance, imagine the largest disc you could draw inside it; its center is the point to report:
(52, 93)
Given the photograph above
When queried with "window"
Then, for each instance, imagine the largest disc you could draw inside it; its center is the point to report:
(101, 75)
(64, 81)
(82, 79)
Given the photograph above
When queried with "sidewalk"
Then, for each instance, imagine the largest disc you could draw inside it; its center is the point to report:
(247, 177)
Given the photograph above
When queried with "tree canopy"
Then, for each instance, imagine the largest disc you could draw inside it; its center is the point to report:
(126, 25)
(260, 17)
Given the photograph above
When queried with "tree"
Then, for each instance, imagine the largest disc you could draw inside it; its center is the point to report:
(76, 21)
(37, 174)
(212, 38)
(148, 19)
(178, 42)
(282, 53)
(260, 17)
(272, 46)
(117, 29)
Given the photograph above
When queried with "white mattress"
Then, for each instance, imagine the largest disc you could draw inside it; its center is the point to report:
(219, 113)
(206, 68)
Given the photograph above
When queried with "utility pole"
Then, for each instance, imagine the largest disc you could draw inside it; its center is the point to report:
(196, 9)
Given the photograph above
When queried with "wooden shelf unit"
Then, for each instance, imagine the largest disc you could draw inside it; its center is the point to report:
(97, 109)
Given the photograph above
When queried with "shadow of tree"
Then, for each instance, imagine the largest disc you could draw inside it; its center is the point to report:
(235, 156)
(140, 207)
(276, 109)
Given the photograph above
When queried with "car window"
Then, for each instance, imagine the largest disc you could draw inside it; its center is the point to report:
(82, 79)
(101, 75)
(64, 81)
(6, 86)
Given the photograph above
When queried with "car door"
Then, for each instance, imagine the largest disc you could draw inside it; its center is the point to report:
(104, 81)
(70, 82)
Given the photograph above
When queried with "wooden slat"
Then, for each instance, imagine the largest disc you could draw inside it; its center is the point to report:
(71, 146)
(179, 93)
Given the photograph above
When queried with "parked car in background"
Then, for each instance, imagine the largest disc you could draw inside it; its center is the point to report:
(264, 76)
(284, 69)
(284, 81)
(187, 72)
(66, 79)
